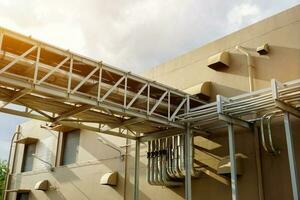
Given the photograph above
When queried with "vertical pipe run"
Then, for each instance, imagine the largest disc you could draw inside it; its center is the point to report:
(291, 155)
(188, 167)
(258, 164)
(250, 67)
(234, 189)
(137, 170)
(11, 161)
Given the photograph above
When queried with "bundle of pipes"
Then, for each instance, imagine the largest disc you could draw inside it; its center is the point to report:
(255, 106)
(246, 105)
(166, 161)
(268, 116)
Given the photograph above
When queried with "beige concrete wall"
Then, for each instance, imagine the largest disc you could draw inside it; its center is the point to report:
(281, 32)
(81, 180)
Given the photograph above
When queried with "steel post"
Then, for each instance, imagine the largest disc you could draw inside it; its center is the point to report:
(234, 189)
(188, 167)
(291, 155)
(136, 170)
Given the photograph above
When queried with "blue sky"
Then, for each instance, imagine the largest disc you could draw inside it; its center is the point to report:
(130, 34)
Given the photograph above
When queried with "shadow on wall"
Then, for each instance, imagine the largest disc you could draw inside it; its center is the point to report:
(224, 91)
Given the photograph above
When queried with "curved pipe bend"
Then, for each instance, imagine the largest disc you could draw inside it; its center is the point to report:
(268, 117)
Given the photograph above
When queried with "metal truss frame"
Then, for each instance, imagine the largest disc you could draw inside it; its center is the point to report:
(99, 88)
(54, 85)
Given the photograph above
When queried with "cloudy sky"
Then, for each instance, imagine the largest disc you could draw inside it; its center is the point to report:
(131, 34)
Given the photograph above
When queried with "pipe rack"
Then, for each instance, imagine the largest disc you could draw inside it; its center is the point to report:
(89, 94)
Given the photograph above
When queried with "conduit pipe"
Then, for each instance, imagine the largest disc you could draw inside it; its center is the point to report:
(166, 165)
(250, 66)
(11, 167)
(268, 117)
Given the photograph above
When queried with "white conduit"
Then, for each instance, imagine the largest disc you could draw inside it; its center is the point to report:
(166, 166)
(250, 66)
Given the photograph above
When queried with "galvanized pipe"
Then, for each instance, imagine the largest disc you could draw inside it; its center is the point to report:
(274, 150)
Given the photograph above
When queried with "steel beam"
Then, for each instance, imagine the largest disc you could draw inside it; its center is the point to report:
(236, 121)
(36, 65)
(137, 170)
(90, 128)
(24, 114)
(286, 107)
(234, 189)
(80, 98)
(160, 134)
(291, 156)
(188, 167)
(124, 124)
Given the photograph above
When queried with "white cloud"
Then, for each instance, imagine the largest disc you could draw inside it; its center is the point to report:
(243, 14)
(132, 34)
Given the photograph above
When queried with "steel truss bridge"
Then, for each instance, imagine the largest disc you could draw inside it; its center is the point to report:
(67, 90)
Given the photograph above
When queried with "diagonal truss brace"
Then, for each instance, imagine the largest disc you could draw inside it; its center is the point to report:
(136, 96)
(16, 96)
(17, 59)
(53, 70)
(85, 80)
(112, 89)
(158, 102)
(177, 109)
(72, 112)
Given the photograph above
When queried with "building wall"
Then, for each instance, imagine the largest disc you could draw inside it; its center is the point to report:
(81, 180)
(281, 32)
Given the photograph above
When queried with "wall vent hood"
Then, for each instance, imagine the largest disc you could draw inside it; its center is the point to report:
(202, 90)
(42, 185)
(219, 61)
(110, 178)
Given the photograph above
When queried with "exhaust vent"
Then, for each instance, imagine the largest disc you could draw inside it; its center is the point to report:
(219, 61)
(263, 50)
(42, 185)
(201, 90)
(110, 178)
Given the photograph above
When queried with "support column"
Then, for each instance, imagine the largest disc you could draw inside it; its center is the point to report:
(234, 189)
(137, 170)
(291, 155)
(187, 161)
